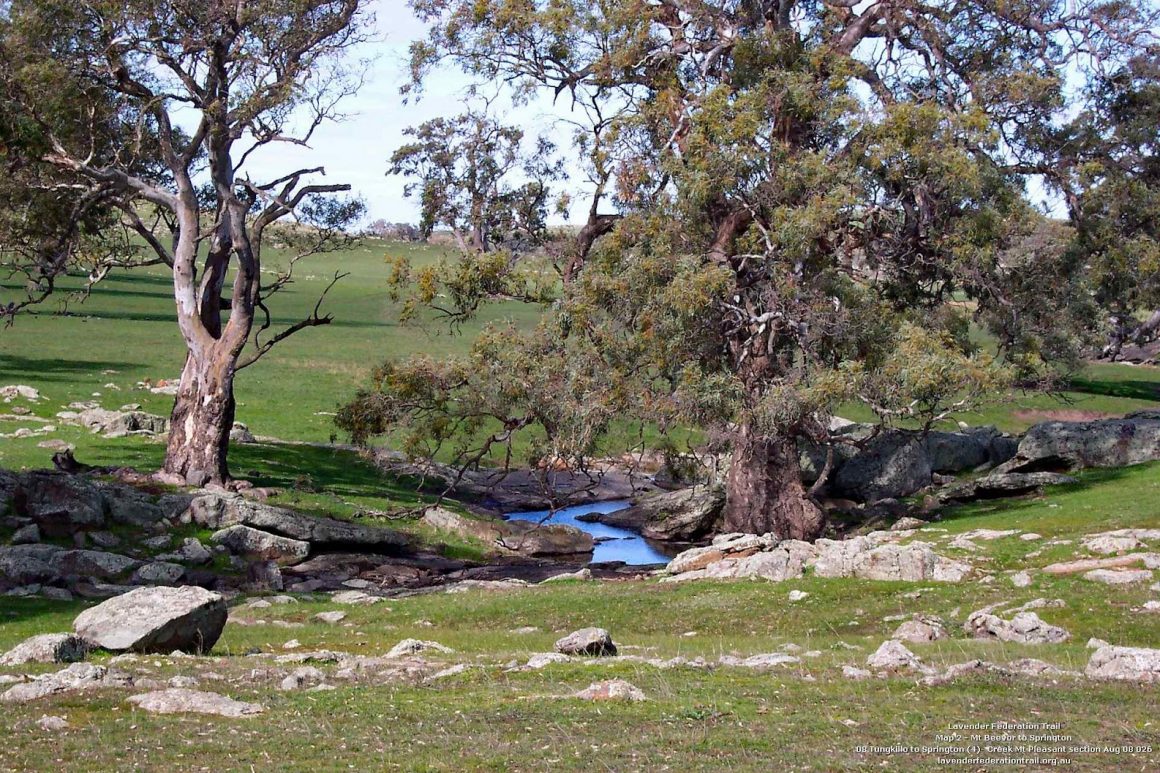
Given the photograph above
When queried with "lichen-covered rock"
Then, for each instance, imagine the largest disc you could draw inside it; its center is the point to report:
(159, 573)
(415, 647)
(1119, 576)
(920, 630)
(182, 701)
(1133, 439)
(892, 655)
(1023, 628)
(1127, 664)
(160, 619)
(611, 690)
(219, 511)
(261, 545)
(587, 641)
(46, 648)
(78, 676)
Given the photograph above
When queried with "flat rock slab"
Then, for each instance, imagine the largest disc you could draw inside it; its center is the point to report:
(78, 676)
(1127, 664)
(1119, 576)
(182, 701)
(219, 511)
(155, 620)
(1088, 564)
(611, 690)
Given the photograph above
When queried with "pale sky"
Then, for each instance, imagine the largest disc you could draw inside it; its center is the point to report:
(356, 150)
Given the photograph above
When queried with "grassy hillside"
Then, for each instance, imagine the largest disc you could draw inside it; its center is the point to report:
(125, 333)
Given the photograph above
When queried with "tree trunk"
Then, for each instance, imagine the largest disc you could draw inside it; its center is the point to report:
(764, 491)
(203, 414)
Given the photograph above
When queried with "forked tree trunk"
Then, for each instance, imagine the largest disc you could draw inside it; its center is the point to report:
(764, 491)
(203, 414)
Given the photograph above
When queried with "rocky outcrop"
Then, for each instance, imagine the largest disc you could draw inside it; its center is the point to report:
(220, 511)
(895, 463)
(514, 536)
(62, 504)
(1056, 445)
(189, 619)
(682, 516)
(920, 630)
(611, 690)
(875, 556)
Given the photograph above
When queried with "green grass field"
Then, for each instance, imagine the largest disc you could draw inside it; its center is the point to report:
(125, 333)
(804, 716)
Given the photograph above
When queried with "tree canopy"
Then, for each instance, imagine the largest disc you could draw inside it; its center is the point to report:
(814, 200)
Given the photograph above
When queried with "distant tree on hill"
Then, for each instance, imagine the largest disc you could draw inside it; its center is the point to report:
(402, 232)
(95, 95)
(814, 198)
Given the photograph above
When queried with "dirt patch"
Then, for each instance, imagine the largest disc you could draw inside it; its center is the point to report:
(1064, 414)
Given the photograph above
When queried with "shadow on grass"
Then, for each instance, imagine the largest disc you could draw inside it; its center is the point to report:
(329, 470)
(15, 367)
(1016, 505)
(17, 613)
(1135, 390)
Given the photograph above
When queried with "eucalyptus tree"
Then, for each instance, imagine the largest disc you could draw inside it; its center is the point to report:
(152, 111)
(812, 197)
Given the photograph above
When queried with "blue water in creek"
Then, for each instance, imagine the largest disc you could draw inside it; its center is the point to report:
(624, 545)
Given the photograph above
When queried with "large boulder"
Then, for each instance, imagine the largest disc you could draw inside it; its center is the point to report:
(27, 564)
(261, 545)
(1127, 664)
(683, 515)
(587, 641)
(953, 452)
(219, 511)
(546, 539)
(155, 620)
(1055, 445)
(893, 464)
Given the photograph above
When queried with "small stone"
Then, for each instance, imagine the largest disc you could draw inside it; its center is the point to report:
(330, 618)
(855, 673)
(611, 690)
(293, 644)
(416, 646)
(182, 681)
(906, 523)
(52, 724)
(542, 659)
(1030, 536)
(301, 677)
(354, 597)
(1094, 643)
(797, 595)
(587, 641)
(1021, 579)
